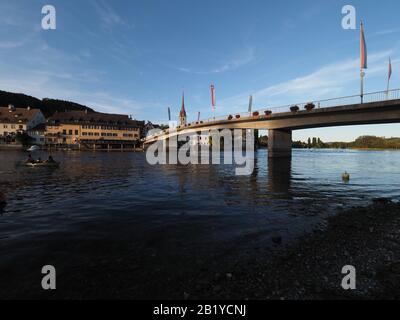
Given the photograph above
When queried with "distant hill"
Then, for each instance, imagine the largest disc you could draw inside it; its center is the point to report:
(368, 142)
(47, 106)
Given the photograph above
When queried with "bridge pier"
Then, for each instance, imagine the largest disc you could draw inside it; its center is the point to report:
(279, 143)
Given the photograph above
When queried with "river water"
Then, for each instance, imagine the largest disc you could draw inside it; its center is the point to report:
(97, 203)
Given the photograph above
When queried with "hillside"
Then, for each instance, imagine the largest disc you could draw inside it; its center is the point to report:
(47, 106)
(368, 142)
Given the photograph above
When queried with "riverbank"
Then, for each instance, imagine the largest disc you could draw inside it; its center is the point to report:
(366, 238)
(11, 147)
(118, 265)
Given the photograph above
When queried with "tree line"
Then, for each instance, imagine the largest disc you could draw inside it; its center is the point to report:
(363, 142)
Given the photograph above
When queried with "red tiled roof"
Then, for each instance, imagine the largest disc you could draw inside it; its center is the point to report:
(82, 117)
(17, 115)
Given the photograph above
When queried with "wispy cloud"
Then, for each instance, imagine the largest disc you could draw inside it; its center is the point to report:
(245, 57)
(73, 87)
(328, 81)
(385, 32)
(12, 44)
(108, 15)
(106, 102)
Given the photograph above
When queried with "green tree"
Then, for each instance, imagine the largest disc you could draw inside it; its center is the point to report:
(314, 142)
(23, 139)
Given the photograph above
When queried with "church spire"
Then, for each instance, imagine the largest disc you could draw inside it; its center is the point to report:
(183, 103)
(182, 114)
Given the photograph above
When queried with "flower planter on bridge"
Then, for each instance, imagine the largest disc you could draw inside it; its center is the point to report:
(309, 106)
(268, 112)
(256, 114)
(230, 117)
(294, 109)
(237, 116)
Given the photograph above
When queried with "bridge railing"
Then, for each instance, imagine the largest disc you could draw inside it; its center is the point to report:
(318, 104)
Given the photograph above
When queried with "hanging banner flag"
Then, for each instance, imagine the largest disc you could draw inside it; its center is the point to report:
(169, 114)
(389, 76)
(250, 103)
(213, 100)
(363, 49)
(198, 117)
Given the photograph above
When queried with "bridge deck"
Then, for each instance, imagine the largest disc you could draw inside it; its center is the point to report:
(380, 107)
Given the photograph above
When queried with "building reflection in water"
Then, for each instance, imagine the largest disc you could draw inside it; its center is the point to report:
(259, 185)
(279, 175)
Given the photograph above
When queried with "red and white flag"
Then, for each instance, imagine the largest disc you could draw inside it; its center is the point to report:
(213, 103)
(363, 49)
(389, 76)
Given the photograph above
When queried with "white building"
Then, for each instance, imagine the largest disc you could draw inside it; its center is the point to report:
(38, 134)
(14, 120)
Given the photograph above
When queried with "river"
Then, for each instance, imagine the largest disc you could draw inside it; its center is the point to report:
(102, 207)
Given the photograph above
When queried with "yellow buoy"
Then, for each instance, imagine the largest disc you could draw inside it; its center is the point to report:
(346, 177)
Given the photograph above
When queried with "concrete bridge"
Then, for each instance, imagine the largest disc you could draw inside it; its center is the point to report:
(376, 108)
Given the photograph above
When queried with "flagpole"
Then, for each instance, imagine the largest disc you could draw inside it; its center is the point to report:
(250, 104)
(388, 86)
(387, 91)
(363, 60)
(362, 75)
(213, 104)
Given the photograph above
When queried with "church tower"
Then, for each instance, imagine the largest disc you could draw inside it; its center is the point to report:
(182, 114)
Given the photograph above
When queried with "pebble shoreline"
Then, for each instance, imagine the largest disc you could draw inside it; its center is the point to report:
(366, 238)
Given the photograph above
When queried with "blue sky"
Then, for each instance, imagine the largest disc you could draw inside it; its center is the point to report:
(136, 57)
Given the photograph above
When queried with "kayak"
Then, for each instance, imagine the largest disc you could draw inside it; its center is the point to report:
(33, 148)
(43, 164)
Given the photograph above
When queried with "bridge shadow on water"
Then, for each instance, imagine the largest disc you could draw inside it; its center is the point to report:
(279, 174)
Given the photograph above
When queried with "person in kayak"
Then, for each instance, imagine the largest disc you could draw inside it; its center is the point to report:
(50, 160)
(30, 159)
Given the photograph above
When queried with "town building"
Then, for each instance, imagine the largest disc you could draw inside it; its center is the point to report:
(18, 120)
(148, 127)
(93, 130)
(37, 134)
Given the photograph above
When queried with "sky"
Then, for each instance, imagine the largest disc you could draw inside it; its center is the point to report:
(136, 57)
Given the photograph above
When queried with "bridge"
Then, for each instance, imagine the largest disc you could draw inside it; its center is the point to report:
(373, 108)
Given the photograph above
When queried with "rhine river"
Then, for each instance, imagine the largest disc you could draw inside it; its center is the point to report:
(112, 213)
